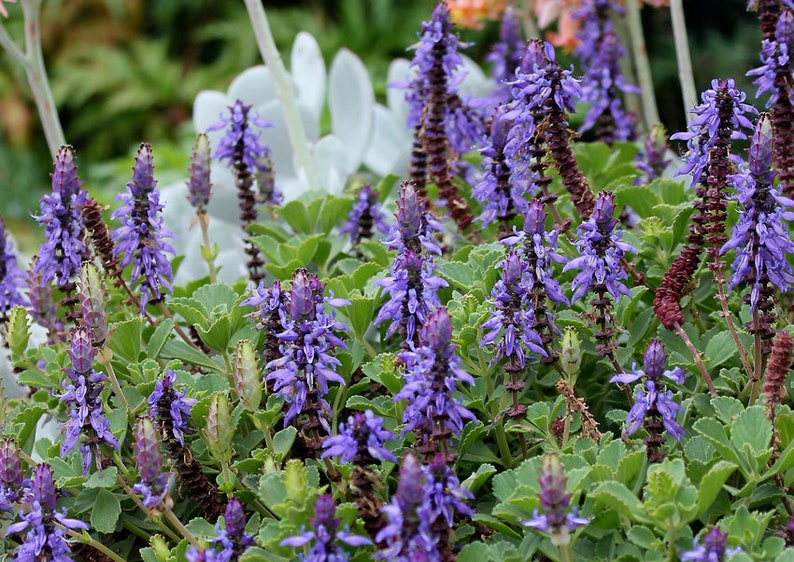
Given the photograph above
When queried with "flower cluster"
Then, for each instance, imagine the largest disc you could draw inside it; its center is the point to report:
(506, 53)
(171, 406)
(557, 519)
(232, 537)
(306, 366)
(412, 286)
(198, 186)
(62, 252)
(12, 279)
(654, 407)
(141, 238)
(652, 158)
(361, 440)
(82, 394)
(13, 485)
(432, 374)
(366, 213)
(271, 304)
(600, 51)
(707, 122)
(241, 143)
(775, 59)
(46, 526)
(714, 548)
(154, 482)
(326, 534)
(601, 249)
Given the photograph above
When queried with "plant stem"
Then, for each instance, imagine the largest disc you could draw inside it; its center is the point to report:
(698, 361)
(177, 327)
(720, 280)
(271, 56)
(204, 222)
(688, 91)
(565, 553)
(180, 527)
(641, 65)
(86, 539)
(37, 78)
(757, 373)
(163, 527)
(501, 442)
(104, 359)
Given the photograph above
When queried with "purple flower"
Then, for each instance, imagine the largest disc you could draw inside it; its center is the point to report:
(444, 496)
(436, 51)
(761, 237)
(154, 482)
(12, 278)
(306, 365)
(775, 56)
(366, 213)
(702, 133)
(241, 143)
(199, 185)
(195, 554)
(512, 313)
(413, 227)
(361, 440)
(13, 484)
(558, 519)
(540, 87)
(506, 53)
(45, 525)
(653, 400)
(432, 374)
(233, 537)
(42, 308)
(82, 394)
(599, 52)
(171, 407)
(601, 249)
(62, 252)
(651, 159)
(714, 548)
(500, 197)
(141, 236)
(325, 536)
(407, 535)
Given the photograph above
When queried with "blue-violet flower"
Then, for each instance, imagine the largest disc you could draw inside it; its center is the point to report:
(361, 440)
(154, 482)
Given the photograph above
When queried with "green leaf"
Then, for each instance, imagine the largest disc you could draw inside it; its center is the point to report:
(719, 349)
(641, 199)
(727, 408)
(105, 514)
(191, 309)
(283, 440)
(475, 481)
(218, 335)
(296, 215)
(104, 479)
(177, 349)
(752, 427)
(711, 484)
(715, 433)
(614, 495)
(159, 337)
(475, 552)
(125, 339)
(25, 423)
(256, 554)
(458, 274)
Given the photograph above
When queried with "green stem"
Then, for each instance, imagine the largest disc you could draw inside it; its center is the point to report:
(114, 381)
(204, 223)
(501, 442)
(641, 64)
(565, 550)
(11, 48)
(180, 527)
(37, 78)
(272, 58)
(698, 360)
(177, 327)
(85, 538)
(758, 357)
(726, 313)
(156, 520)
(688, 91)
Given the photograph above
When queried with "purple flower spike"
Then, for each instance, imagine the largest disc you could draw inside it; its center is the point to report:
(714, 548)
(46, 526)
(12, 278)
(776, 59)
(761, 237)
(195, 554)
(325, 535)
(407, 535)
(366, 213)
(654, 407)
(558, 519)
(141, 236)
(306, 366)
(512, 314)
(12, 480)
(62, 252)
(506, 54)
(82, 394)
(433, 373)
(199, 184)
(154, 482)
(233, 537)
(171, 406)
(652, 158)
(413, 226)
(601, 250)
(702, 133)
(361, 440)
(238, 130)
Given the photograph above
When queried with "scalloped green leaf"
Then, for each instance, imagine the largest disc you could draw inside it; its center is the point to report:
(105, 513)
(125, 339)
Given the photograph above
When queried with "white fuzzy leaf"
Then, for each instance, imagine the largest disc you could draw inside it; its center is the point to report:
(351, 100)
(390, 149)
(254, 86)
(308, 73)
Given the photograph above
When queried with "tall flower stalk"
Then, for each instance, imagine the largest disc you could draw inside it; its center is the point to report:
(12, 278)
(199, 190)
(141, 238)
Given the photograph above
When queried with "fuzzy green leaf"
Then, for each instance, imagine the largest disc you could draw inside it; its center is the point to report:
(105, 514)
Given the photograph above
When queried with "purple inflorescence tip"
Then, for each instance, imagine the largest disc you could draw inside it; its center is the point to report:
(360, 440)
(154, 482)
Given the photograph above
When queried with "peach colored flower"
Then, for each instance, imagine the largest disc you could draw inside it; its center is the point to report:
(470, 13)
(547, 11)
(3, 11)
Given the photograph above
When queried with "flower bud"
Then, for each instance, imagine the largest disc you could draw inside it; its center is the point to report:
(218, 433)
(81, 352)
(247, 380)
(199, 184)
(571, 353)
(93, 303)
(18, 333)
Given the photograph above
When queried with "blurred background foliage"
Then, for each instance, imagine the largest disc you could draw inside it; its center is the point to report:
(126, 71)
